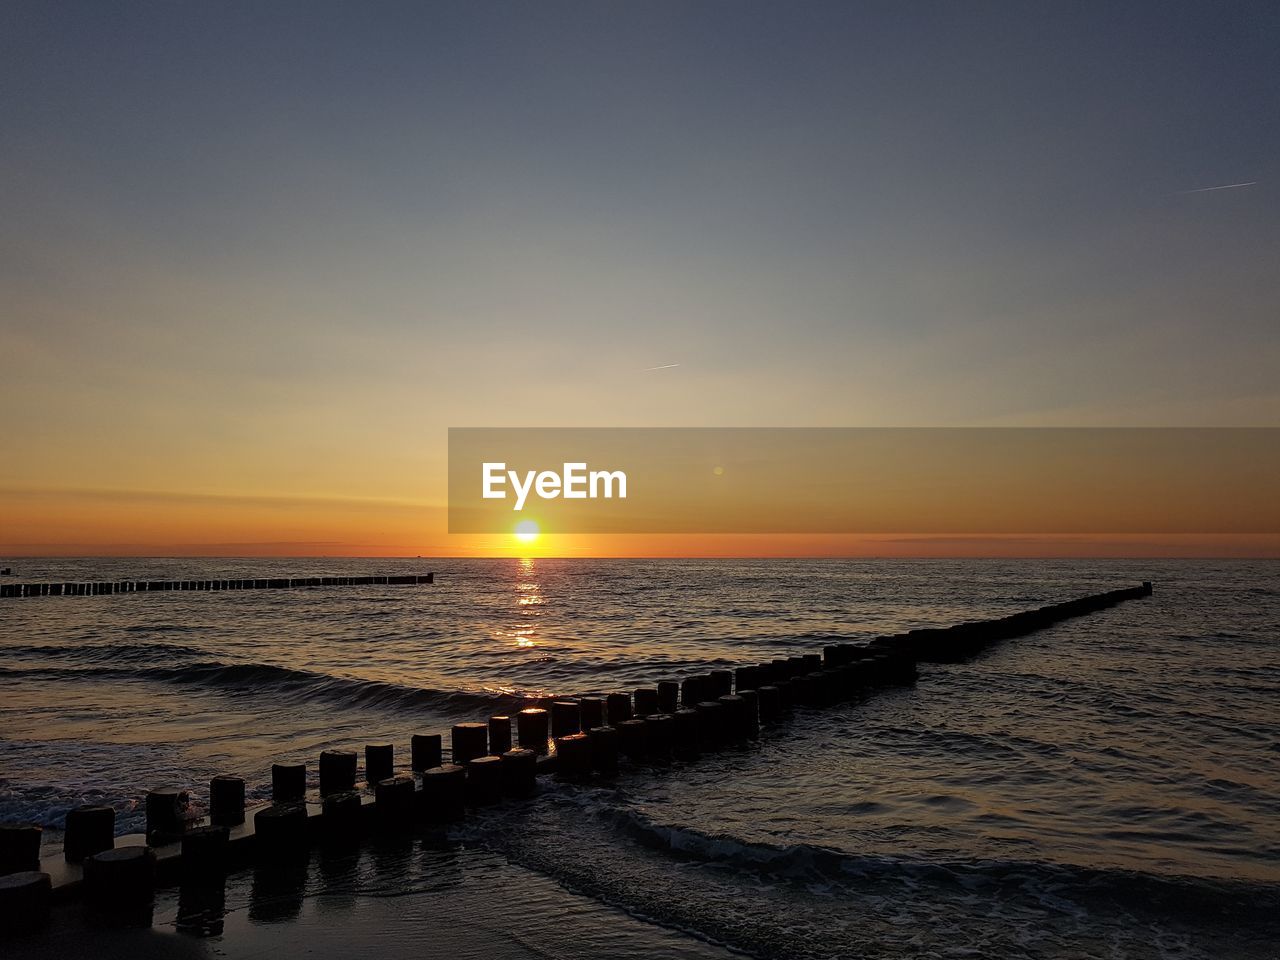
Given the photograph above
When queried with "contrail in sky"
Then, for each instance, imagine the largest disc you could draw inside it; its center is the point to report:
(1225, 186)
(665, 366)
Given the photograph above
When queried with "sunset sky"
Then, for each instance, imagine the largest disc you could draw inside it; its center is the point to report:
(253, 265)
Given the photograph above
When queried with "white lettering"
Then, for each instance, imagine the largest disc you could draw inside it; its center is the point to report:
(609, 476)
(494, 474)
(521, 491)
(575, 482)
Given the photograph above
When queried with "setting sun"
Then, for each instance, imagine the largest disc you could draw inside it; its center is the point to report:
(526, 531)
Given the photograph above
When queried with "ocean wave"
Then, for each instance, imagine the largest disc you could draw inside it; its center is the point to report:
(1059, 884)
(290, 682)
(134, 653)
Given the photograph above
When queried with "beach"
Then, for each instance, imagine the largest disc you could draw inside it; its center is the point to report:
(1103, 786)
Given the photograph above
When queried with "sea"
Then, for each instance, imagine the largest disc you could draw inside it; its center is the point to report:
(1107, 787)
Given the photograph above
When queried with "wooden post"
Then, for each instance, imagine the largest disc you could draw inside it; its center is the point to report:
(574, 756)
(166, 814)
(532, 729)
(19, 847)
(341, 820)
(646, 701)
(90, 829)
(668, 696)
(337, 771)
(124, 877)
(519, 772)
(394, 802)
(566, 718)
(379, 762)
(24, 902)
(226, 801)
(631, 739)
(288, 782)
(204, 853)
(686, 733)
(470, 740)
(499, 735)
(618, 706)
(281, 827)
(660, 735)
(444, 793)
(425, 750)
(484, 780)
(604, 750)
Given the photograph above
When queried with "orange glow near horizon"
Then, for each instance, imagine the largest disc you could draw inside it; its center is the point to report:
(88, 524)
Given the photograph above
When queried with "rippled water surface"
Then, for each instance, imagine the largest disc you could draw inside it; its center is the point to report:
(1108, 787)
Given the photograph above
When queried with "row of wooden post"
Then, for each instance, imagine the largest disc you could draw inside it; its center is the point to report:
(107, 587)
(578, 739)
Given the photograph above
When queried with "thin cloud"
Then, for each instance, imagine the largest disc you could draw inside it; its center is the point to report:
(664, 366)
(1222, 186)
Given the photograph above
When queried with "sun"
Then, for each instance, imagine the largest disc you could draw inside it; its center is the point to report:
(526, 531)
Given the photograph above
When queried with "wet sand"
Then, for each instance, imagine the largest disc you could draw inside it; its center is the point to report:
(390, 900)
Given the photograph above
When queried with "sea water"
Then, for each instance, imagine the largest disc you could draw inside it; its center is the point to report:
(1107, 787)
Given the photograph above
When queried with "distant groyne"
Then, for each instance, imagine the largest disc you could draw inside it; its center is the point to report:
(106, 587)
(491, 760)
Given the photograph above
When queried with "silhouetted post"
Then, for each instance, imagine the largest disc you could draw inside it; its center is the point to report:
(120, 879)
(484, 780)
(341, 820)
(226, 801)
(281, 827)
(470, 740)
(89, 829)
(19, 846)
(379, 762)
(721, 682)
(166, 815)
(592, 709)
(566, 718)
(660, 735)
(426, 752)
(24, 902)
(646, 701)
(618, 706)
(751, 700)
(631, 739)
(204, 853)
(533, 728)
(288, 782)
(393, 802)
(803, 690)
(711, 724)
(770, 702)
(686, 733)
(573, 753)
(786, 693)
(668, 696)
(499, 735)
(690, 691)
(735, 716)
(519, 772)
(1146, 587)
(444, 793)
(604, 749)
(337, 771)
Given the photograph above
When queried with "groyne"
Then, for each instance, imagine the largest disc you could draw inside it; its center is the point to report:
(107, 587)
(577, 739)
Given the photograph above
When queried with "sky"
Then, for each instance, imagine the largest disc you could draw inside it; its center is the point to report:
(256, 259)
